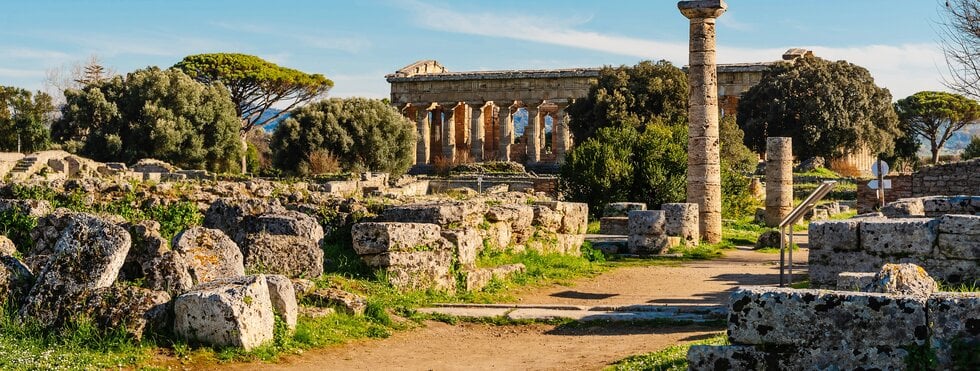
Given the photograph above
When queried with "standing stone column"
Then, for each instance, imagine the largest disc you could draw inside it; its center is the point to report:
(560, 131)
(477, 132)
(703, 147)
(506, 117)
(449, 131)
(682, 221)
(425, 137)
(779, 179)
(534, 139)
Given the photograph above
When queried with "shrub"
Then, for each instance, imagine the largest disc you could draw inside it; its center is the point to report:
(972, 150)
(17, 226)
(323, 162)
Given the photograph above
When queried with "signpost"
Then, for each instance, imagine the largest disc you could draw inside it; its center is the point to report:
(879, 169)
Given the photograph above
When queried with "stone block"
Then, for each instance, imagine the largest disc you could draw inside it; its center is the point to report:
(450, 215)
(854, 281)
(746, 357)
(622, 209)
(824, 265)
(282, 223)
(899, 237)
(7, 247)
(346, 302)
(951, 271)
(468, 245)
(954, 319)
(416, 269)
(292, 256)
(682, 221)
(282, 294)
(820, 319)
(903, 279)
(546, 217)
(381, 237)
(127, 308)
(942, 205)
(575, 217)
(647, 245)
(15, 281)
(959, 237)
(168, 272)
(518, 216)
(88, 256)
(647, 223)
(498, 235)
(838, 235)
(904, 208)
(209, 254)
(235, 311)
(478, 278)
(614, 225)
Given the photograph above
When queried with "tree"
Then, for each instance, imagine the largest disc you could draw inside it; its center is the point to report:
(152, 113)
(622, 164)
(972, 150)
(255, 86)
(734, 153)
(631, 96)
(936, 116)
(828, 108)
(364, 134)
(960, 40)
(75, 76)
(24, 120)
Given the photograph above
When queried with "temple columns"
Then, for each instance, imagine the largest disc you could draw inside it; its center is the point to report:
(449, 131)
(477, 131)
(506, 117)
(535, 137)
(423, 125)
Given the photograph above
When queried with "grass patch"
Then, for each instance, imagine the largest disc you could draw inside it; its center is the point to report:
(593, 227)
(741, 232)
(820, 172)
(962, 287)
(670, 358)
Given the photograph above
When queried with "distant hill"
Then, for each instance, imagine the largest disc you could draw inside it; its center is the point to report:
(273, 125)
(956, 143)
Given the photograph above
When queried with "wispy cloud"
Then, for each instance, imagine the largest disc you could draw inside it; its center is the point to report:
(32, 54)
(904, 69)
(17, 73)
(730, 20)
(319, 40)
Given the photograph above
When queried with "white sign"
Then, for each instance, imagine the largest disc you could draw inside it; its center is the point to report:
(874, 184)
(879, 172)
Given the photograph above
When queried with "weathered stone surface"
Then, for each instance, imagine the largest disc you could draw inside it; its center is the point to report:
(768, 239)
(88, 255)
(854, 281)
(168, 272)
(837, 235)
(498, 235)
(132, 309)
(622, 209)
(33, 208)
(233, 311)
(903, 279)
(519, 216)
(557, 243)
(227, 214)
(381, 237)
(47, 232)
(951, 271)
(772, 316)
(302, 287)
(959, 237)
(209, 254)
(614, 225)
(416, 270)
(647, 245)
(338, 299)
(148, 244)
(7, 246)
(942, 205)
(647, 223)
(478, 278)
(451, 215)
(15, 281)
(282, 223)
(293, 256)
(468, 245)
(904, 208)
(744, 357)
(824, 265)
(283, 298)
(546, 217)
(899, 236)
(575, 217)
(682, 221)
(954, 319)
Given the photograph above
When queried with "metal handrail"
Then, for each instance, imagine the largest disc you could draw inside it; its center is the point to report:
(790, 220)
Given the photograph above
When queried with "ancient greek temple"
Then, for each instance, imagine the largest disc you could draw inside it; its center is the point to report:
(515, 115)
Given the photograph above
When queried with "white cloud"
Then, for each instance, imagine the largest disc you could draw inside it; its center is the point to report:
(903, 69)
(17, 73)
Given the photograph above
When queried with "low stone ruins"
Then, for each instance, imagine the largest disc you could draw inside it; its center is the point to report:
(257, 251)
(649, 232)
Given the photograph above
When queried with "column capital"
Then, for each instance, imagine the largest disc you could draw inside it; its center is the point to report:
(701, 9)
(449, 105)
(428, 106)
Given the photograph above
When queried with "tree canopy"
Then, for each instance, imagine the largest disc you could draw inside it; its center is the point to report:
(828, 108)
(631, 96)
(364, 134)
(936, 116)
(152, 113)
(24, 120)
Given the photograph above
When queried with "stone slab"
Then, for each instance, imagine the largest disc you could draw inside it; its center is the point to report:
(899, 237)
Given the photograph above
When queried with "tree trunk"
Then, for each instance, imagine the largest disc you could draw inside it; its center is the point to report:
(935, 155)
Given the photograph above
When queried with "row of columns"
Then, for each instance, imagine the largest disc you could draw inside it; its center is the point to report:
(476, 118)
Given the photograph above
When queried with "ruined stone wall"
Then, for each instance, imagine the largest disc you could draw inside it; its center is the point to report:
(548, 185)
(948, 247)
(786, 329)
(958, 178)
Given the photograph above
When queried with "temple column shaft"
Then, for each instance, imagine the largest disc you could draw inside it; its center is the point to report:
(477, 133)
(506, 117)
(534, 139)
(560, 132)
(703, 161)
(424, 138)
(449, 132)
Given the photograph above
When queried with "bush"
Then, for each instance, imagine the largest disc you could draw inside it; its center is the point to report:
(364, 134)
(17, 226)
(323, 162)
(972, 150)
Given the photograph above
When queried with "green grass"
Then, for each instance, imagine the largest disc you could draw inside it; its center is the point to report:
(741, 232)
(670, 358)
(963, 287)
(593, 227)
(820, 172)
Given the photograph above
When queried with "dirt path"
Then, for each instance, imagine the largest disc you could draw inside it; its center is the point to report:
(440, 346)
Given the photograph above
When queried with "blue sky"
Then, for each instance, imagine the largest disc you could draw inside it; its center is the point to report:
(356, 43)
